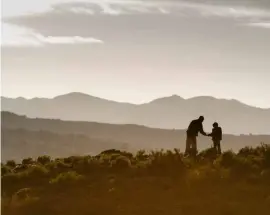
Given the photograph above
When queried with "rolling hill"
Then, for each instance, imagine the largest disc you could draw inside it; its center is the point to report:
(23, 136)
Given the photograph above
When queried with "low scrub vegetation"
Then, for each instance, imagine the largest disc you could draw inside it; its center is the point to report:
(158, 182)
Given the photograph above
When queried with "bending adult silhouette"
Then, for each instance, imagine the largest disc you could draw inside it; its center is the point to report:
(193, 130)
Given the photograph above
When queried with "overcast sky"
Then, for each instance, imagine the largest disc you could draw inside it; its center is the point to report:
(136, 51)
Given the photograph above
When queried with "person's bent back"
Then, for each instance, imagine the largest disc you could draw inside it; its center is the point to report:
(194, 128)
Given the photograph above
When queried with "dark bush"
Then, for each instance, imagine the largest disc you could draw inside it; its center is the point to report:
(248, 151)
(27, 161)
(57, 166)
(167, 162)
(35, 171)
(266, 156)
(242, 166)
(121, 162)
(209, 153)
(5, 170)
(111, 152)
(44, 159)
(20, 168)
(227, 159)
(141, 155)
(67, 178)
(11, 163)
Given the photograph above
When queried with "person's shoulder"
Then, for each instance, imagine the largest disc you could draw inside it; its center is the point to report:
(193, 121)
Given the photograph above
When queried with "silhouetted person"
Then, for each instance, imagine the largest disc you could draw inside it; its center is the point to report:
(216, 137)
(194, 128)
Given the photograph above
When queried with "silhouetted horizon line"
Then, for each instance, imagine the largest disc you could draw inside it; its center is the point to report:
(146, 102)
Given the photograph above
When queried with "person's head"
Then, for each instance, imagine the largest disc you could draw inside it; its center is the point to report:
(201, 118)
(215, 125)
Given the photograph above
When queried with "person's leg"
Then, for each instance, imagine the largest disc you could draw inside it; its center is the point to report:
(187, 145)
(215, 146)
(194, 146)
(218, 147)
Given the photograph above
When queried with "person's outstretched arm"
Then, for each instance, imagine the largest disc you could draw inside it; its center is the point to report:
(202, 131)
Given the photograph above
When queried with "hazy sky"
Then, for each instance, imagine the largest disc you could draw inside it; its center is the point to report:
(136, 51)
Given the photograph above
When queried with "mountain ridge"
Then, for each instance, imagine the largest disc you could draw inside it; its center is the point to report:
(167, 112)
(173, 96)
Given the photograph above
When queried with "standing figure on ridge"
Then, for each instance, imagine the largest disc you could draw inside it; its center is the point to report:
(194, 128)
(216, 137)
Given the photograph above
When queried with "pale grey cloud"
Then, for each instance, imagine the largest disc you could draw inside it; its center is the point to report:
(66, 40)
(260, 25)
(31, 8)
(23, 37)
(113, 7)
(82, 10)
(244, 13)
(117, 7)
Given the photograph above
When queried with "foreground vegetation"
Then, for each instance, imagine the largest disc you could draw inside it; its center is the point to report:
(160, 182)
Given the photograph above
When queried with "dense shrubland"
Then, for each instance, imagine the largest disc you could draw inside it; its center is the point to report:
(158, 182)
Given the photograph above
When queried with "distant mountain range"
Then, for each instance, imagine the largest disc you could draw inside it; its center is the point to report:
(172, 112)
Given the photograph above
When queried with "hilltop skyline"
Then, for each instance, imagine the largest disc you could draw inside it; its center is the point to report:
(166, 112)
(133, 103)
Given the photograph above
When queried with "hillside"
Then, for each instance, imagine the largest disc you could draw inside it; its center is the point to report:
(171, 112)
(23, 136)
(19, 143)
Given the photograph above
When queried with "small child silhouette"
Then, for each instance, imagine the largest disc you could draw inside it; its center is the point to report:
(216, 137)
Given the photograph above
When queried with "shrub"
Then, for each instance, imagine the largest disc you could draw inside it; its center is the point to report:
(35, 171)
(209, 154)
(11, 163)
(248, 151)
(73, 159)
(27, 161)
(67, 178)
(111, 152)
(105, 161)
(142, 164)
(44, 159)
(242, 166)
(57, 166)
(167, 162)
(83, 165)
(20, 168)
(121, 162)
(266, 156)
(141, 155)
(5, 170)
(227, 159)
